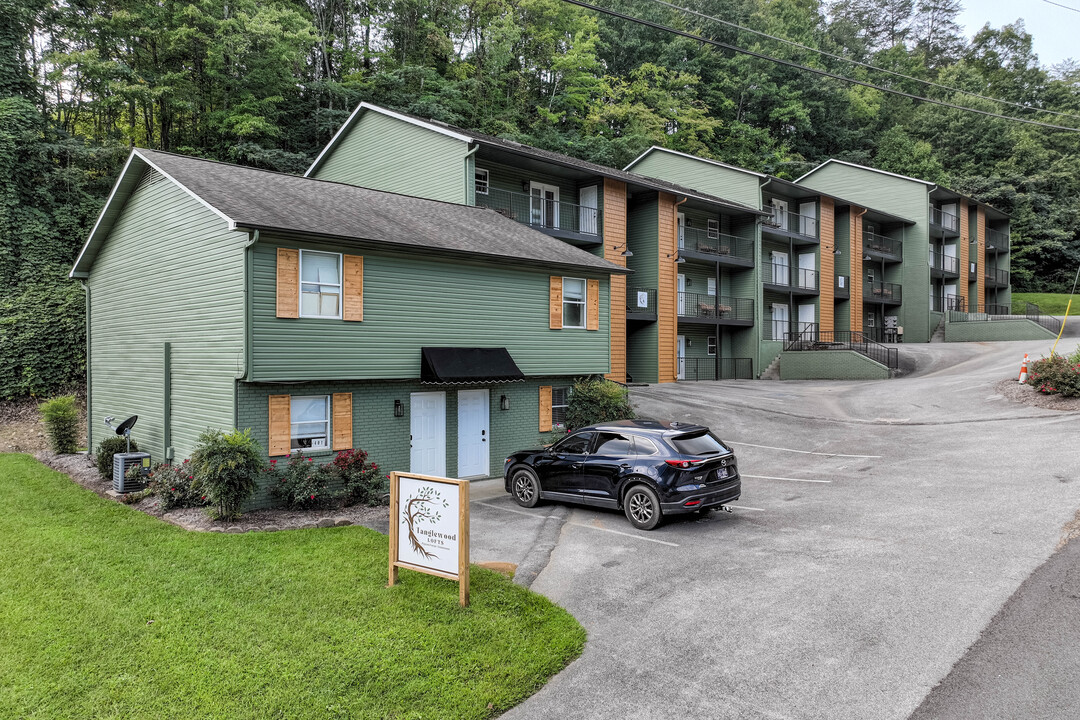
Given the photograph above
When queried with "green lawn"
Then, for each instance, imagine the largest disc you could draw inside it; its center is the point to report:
(1049, 303)
(108, 613)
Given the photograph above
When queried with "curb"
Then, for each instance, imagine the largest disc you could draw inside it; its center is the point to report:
(540, 553)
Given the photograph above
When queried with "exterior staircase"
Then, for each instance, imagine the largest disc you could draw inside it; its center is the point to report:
(939, 332)
(773, 371)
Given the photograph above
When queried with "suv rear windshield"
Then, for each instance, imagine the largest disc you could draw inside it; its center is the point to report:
(699, 444)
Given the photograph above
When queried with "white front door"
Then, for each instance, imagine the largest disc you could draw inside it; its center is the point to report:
(950, 252)
(780, 213)
(780, 272)
(682, 230)
(545, 205)
(780, 321)
(427, 423)
(682, 294)
(681, 359)
(949, 216)
(808, 219)
(473, 430)
(587, 211)
(807, 271)
(806, 320)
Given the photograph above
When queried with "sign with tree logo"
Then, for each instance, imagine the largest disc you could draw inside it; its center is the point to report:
(429, 527)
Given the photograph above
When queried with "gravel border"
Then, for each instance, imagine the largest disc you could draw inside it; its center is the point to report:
(81, 468)
(1027, 395)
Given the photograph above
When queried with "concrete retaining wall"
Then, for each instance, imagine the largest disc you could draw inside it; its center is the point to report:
(830, 365)
(1017, 329)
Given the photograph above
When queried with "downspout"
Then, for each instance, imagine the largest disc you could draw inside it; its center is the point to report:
(470, 180)
(675, 219)
(851, 249)
(89, 378)
(759, 292)
(929, 273)
(249, 322)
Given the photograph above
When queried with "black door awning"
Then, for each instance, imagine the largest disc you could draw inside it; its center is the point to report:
(467, 366)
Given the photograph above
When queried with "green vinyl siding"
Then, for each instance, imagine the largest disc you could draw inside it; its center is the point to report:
(842, 236)
(513, 179)
(412, 301)
(727, 183)
(169, 272)
(642, 232)
(384, 153)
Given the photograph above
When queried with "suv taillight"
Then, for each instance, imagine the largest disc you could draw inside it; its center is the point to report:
(683, 464)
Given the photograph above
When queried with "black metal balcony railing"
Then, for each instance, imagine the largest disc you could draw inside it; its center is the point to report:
(811, 339)
(881, 245)
(720, 245)
(715, 307)
(787, 276)
(706, 368)
(981, 313)
(883, 292)
(944, 219)
(641, 301)
(946, 263)
(996, 277)
(1033, 313)
(541, 212)
(997, 241)
(804, 225)
(955, 302)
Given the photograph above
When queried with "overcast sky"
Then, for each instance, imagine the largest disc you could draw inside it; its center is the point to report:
(1054, 28)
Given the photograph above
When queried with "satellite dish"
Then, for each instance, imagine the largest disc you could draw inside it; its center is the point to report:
(125, 427)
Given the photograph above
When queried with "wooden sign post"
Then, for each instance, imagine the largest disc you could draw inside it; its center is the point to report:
(429, 528)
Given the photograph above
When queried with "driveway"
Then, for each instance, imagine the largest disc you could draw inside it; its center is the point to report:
(881, 528)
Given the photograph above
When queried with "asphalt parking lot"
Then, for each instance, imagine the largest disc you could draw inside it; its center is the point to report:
(882, 527)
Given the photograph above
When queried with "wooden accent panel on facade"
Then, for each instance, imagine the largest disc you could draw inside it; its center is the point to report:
(343, 415)
(592, 302)
(667, 320)
(980, 258)
(964, 252)
(352, 304)
(288, 283)
(555, 302)
(826, 306)
(280, 424)
(855, 281)
(614, 218)
(545, 408)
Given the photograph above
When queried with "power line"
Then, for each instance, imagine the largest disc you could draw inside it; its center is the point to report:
(862, 64)
(1049, 2)
(816, 71)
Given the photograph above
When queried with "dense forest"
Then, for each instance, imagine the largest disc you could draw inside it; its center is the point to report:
(267, 82)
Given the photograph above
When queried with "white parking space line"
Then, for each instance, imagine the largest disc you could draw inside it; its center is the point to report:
(769, 477)
(801, 452)
(630, 535)
(517, 512)
(743, 507)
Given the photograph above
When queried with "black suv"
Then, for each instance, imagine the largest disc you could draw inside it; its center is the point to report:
(648, 468)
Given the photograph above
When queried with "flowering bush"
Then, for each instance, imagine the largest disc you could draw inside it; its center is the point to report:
(1057, 374)
(360, 480)
(175, 486)
(300, 484)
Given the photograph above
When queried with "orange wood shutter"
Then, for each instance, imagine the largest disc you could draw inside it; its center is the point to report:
(555, 297)
(592, 293)
(343, 415)
(545, 408)
(353, 290)
(288, 283)
(280, 425)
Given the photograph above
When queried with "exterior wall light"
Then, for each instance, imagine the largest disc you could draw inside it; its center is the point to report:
(399, 409)
(504, 403)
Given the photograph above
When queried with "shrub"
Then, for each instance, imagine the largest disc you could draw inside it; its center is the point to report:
(300, 484)
(360, 480)
(226, 466)
(595, 400)
(109, 447)
(61, 418)
(175, 486)
(1057, 374)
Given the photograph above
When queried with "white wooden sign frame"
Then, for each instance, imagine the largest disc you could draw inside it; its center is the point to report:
(461, 489)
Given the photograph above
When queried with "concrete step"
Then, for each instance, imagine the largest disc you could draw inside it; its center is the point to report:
(773, 371)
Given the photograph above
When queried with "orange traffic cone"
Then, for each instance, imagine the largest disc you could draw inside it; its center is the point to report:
(1023, 369)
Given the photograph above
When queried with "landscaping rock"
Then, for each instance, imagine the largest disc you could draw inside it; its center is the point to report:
(233, 529)
(308, 526)
(325, 523)
(342, 522)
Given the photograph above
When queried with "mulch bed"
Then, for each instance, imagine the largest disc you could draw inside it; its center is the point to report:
(1027, 395)
(81, 468)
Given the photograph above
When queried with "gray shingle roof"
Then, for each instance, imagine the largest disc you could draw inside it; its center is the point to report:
(260, 199)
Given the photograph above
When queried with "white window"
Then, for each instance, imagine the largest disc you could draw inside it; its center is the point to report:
(560, 400)
(310, 418)
(714, 228)
(711, 289)
(481, 182)
(712, 345)
(573, 305)
(320, 284)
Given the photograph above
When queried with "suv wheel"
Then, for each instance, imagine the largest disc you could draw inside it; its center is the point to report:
(525, 487)
(642, 507)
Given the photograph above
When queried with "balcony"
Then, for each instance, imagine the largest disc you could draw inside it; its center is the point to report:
(706, 368)
(576, 224)
(802, 229)
(778, 278)
(942, 265)
(880, 247)
(641, 304)
(883, 293)
(996, 278)
(943, 224)
(997, 241)
(714, 247)
(842, 288)
(715, 309)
